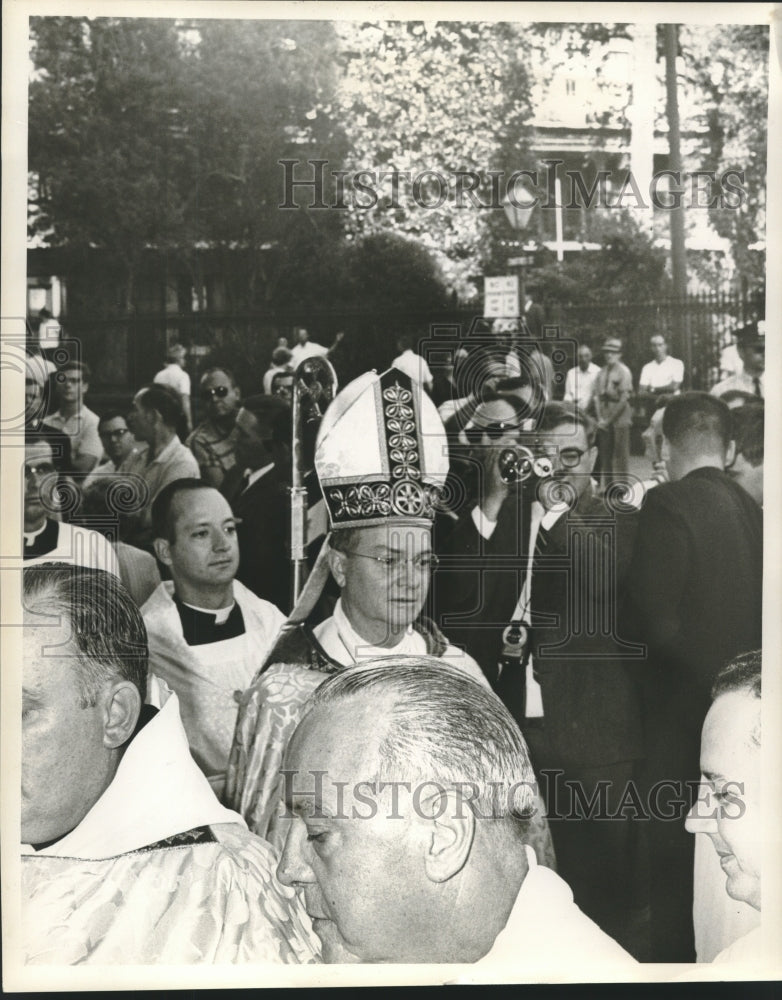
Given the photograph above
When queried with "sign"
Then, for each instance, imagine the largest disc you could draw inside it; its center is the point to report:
(501, 296)
(527, 261)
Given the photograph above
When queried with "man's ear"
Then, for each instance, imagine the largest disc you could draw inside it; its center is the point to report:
(122, 707)
(337, 561)
(162, 548)
(730, 454)
(450, 829)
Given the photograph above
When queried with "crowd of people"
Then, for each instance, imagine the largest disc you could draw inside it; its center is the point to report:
(517, 680)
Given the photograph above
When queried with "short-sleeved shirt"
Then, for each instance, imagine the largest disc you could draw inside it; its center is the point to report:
(175, 378)
(657, 374)
(82, 429)
(610, 385)
(212, 448)
(579, 384)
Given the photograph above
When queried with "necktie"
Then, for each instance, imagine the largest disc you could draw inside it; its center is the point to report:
(756, 386)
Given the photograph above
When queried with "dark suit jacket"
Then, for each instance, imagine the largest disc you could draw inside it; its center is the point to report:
(590, 695)
(263, 510)
(694, 596)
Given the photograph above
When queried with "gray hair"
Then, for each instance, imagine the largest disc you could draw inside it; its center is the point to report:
(442, 727)
(107, 628)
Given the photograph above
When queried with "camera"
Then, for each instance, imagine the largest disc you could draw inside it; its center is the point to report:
(518, 464)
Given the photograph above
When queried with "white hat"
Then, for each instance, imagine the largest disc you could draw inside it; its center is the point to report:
(381, 454)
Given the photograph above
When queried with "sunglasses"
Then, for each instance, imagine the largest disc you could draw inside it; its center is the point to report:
(218, 392)
(41, 469)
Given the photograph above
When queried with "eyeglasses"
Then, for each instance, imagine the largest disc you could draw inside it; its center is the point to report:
(41, 469)
(568, 457)
(424, 563)
(120, 433)
(219, 391)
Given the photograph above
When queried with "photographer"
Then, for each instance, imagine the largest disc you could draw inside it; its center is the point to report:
(540, 556)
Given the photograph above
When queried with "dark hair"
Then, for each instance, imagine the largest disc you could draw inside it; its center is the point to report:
(163, 522)
(112, 415)
(281, 356)
(272, 411)
(558, 413)
(742, 673)
(106, 624)
(173, 352)
(165, 401)
(697, 418)
(219, 368)
(341, 539)
(748, 427)
(77, 366)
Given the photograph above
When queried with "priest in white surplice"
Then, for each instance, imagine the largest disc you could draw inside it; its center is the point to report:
(127, 856)
(208, 634)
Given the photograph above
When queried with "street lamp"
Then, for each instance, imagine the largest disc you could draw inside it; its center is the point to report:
(518, 205)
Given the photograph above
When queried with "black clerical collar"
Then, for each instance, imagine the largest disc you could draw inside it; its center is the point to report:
(200, 628)
(147, 713)
(44, 542)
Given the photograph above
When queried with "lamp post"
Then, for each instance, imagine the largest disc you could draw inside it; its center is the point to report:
(518, 205)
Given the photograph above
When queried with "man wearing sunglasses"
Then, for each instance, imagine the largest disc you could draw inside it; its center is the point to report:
(47, 539)
(118, 444)
(213, 442)
(529, 588)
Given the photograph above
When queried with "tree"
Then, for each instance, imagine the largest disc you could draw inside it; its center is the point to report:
(106, 173)
(430, 101)
(165, 135)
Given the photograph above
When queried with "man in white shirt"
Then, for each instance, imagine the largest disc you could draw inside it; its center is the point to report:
(207, 632)
(73, 418)
(728, 812)
(127, 856)
(176, 378)
(410, 787)
(579, 380)
(412, 364)
(662, 375)
(305, 348)
(45, 538)
(751, 346)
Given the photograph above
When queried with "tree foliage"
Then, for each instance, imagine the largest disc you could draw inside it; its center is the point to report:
(442, 96)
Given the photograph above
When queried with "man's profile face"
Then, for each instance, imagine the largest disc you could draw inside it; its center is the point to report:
(361, 877)
(70, 385)
(387, 576)
(219, 394)
(754, 357)
(116, 439)
(205, 550)
(659, 348)
(730, 764)
(748, 476)
(572, 458)
(40, 479)
(63, 757)
(253, 440)
(141, 420)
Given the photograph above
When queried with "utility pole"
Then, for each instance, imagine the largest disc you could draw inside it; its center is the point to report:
(678, 252)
